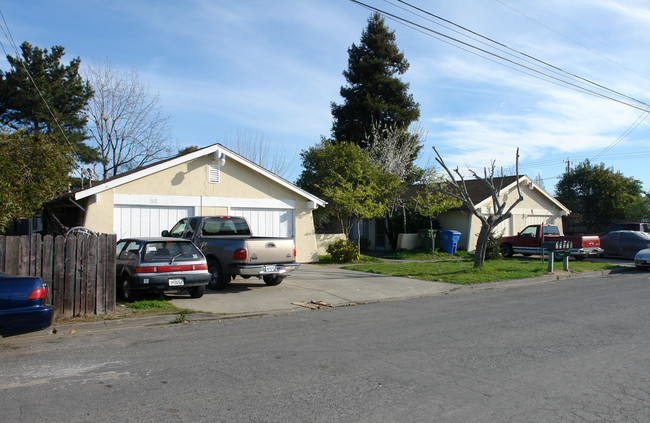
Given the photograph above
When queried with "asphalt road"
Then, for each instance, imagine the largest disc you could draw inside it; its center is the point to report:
(570, 351)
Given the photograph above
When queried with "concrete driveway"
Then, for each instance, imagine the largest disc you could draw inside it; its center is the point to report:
(327, 284)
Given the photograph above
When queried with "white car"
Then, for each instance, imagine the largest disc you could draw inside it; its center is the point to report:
(642, 259)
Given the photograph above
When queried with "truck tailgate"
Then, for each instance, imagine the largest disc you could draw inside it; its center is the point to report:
(269, 250)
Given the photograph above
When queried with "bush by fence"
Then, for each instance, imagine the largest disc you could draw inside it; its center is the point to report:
(79, 271)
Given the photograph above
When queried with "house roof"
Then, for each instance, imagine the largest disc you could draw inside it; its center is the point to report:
(480, 193)
(216, 150)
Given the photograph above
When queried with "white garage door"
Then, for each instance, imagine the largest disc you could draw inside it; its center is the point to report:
(267, 222)
(146, 220)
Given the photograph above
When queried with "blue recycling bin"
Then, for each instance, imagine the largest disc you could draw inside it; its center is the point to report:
(450, 241)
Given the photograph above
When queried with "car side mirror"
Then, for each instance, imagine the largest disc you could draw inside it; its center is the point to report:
(165, 233)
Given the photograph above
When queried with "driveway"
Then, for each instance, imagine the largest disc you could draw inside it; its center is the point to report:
(327, 284)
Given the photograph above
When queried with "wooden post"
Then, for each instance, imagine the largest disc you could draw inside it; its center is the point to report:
(58, 275)
(90, 273)
(46, 267)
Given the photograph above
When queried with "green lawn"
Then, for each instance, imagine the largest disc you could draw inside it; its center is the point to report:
(460, 270)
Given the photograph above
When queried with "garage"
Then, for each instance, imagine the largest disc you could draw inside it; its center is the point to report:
(136, 221)
(212, 181)
(267, 222)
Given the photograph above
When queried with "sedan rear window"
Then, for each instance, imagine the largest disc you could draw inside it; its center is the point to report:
(166, 250)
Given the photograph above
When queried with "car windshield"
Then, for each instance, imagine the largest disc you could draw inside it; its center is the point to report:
(167, 250)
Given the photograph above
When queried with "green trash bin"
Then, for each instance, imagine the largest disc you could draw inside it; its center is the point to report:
(428, 238)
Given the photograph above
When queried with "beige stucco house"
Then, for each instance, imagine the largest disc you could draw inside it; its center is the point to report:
(210, 181)
(537, 207)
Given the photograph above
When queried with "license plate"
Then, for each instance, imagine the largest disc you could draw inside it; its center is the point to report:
(176, 282)
(270, 268)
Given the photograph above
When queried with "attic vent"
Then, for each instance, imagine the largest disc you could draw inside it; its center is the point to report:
(214, 173)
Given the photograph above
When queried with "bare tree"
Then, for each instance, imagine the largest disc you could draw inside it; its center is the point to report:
(125, 120)
(394, 150)
(258, 150)
(499, 212)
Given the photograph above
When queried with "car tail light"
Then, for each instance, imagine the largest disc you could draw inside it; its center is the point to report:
(38, 294)
(294, 252)
(240, 254)
(174, 268)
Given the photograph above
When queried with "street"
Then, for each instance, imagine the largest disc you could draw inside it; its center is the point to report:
(569, 351)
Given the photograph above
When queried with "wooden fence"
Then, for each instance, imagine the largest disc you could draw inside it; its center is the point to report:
(79, 271)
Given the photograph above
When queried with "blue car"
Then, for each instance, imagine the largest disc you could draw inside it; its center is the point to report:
(22, 305)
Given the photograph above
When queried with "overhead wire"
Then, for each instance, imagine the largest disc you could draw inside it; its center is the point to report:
(573, 81)
(7, 33)
(500, 59)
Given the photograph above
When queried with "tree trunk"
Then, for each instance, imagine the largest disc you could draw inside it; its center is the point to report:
(481, 245)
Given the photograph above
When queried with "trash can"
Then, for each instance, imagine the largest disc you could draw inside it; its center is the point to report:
(426, 239)
(429, 239)
(450, 241)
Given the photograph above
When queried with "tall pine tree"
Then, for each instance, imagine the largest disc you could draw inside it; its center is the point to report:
(374, 93)
(63, 95)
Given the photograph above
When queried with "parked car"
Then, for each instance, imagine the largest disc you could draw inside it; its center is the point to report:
(232, 250)
(158, 265)
(624, 244)
(642, 259)
(532, 240)
(22, 305)
(630, 226)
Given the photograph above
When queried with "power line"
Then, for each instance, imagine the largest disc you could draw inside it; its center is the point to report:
(573, 81)
(7, 33)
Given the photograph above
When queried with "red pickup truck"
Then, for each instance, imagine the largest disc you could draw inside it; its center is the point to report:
(532, 240)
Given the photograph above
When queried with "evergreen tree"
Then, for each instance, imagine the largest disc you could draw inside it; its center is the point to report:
(374, 94)
(64, 95)
(597, 196)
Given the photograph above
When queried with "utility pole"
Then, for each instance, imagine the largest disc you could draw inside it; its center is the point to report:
(568, 165)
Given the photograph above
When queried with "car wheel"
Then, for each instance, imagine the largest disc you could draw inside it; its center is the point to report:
(197, 291)
(217, 280)
(128, 292)
(273, 280)
(506, 250)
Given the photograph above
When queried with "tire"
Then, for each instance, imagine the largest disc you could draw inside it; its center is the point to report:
(128, 292)
(506, 250)
(218, 281)
(273, 280)
(197, 291)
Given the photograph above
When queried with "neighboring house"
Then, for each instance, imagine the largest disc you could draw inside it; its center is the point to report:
(209, 181)
(538, 206)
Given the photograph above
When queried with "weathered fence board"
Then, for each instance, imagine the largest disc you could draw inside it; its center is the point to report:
(79, 271)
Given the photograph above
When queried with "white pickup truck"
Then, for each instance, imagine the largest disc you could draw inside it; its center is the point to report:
(231, 249)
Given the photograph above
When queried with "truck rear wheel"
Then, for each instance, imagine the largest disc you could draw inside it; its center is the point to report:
(272, 280)
(218, 280)
(506, 250)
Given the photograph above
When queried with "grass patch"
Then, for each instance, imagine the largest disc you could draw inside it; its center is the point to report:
(152, 304)
(461, 271)
(421, 255)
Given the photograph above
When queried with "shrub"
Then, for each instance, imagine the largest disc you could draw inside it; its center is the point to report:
(343, 251)
(493, 251)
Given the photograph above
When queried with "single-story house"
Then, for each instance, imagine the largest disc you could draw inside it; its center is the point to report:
(537, 207)
(211, 181)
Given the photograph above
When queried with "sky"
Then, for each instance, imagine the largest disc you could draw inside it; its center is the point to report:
(271, 69)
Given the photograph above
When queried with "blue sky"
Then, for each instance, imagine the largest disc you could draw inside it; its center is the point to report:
(272, 68)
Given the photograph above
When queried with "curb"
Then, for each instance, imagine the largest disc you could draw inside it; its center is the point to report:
(79, 328)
